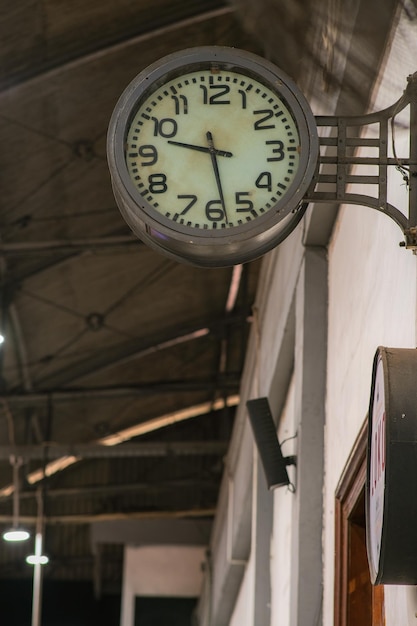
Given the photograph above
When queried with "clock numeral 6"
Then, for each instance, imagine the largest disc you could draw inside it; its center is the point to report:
(157, 183)
(214, 211)
(148, 152)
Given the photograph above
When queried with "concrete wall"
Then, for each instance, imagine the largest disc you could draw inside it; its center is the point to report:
(172, 571)
(372, 302)
(320, 315)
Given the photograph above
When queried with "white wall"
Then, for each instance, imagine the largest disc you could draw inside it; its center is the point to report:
(172, 571)
(243, 610)
(372, 302)
(282, 525)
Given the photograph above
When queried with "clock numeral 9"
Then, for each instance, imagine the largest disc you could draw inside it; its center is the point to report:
(214, 213)
(148, 152)
(157, 183)
(166, 127)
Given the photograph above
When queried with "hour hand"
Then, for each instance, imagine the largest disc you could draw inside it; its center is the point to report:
(224, 153)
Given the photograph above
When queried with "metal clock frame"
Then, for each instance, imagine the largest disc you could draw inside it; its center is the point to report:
(221, 247)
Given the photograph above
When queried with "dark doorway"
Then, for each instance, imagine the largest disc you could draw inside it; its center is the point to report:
(164, 611)
(64, 603)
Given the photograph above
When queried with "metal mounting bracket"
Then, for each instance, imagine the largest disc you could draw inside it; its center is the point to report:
(338, 155)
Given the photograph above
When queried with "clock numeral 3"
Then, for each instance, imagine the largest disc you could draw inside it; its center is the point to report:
(278, 151)
(157, 183)
(214, 211)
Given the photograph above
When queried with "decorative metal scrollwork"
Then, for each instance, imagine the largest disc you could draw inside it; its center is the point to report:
(338, 154)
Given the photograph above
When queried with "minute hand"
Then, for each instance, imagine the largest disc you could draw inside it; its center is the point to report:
(215, 165)
(200, 148)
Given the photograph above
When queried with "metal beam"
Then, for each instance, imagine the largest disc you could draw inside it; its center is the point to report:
(177, 532)
(50, 73)
(136, 349)
(98, 491)
(52, 451)
(66, 246)
(105, 517)
(226, 383)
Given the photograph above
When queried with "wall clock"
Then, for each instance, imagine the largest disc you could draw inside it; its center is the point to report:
(210, 152)
(391, 483)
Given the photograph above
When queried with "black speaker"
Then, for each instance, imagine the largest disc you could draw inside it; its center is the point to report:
(266, 439)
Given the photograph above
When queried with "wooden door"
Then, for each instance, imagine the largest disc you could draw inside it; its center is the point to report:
(357, 601)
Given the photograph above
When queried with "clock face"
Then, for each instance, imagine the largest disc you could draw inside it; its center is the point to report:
(377, 462)
(210, 152)
(212, 149)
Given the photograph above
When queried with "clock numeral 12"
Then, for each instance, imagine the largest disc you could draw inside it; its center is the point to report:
(216, 97)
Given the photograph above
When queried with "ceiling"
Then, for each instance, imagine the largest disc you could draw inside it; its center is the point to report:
(120, 367)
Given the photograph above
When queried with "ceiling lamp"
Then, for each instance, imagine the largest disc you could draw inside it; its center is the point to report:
(15, 533)
(37, 559)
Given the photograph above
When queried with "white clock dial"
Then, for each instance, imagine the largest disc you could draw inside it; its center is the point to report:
(212, 149)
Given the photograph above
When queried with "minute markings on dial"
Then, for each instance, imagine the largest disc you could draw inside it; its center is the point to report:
(151, 135)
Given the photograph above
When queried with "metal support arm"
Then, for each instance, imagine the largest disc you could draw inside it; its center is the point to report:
(333, 180)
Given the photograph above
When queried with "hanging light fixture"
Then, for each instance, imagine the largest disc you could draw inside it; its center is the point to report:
(16, 533)
(37, 558)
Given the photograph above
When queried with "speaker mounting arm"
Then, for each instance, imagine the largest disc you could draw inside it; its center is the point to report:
(333, 181)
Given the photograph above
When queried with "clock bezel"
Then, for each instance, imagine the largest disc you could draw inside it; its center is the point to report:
(221, 246)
